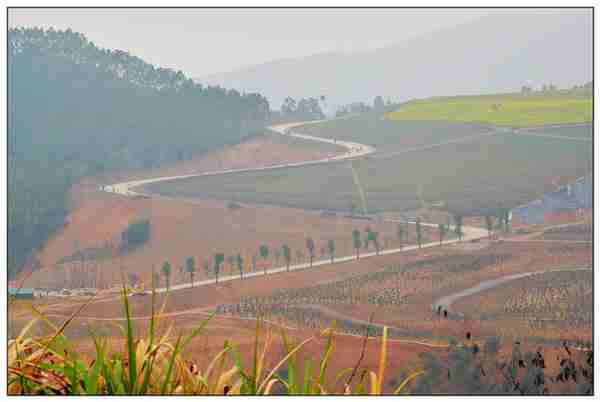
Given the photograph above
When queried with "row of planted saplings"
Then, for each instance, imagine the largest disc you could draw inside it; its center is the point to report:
(237, 265)
(539, 310)
(373, 288)
(583, 318)
(352, 290)
(544, 294)
(301, 316)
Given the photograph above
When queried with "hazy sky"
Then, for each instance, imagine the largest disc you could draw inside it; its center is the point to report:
(206, 41)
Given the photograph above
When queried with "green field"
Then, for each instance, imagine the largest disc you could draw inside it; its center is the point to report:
(468, 177)
(513, 110)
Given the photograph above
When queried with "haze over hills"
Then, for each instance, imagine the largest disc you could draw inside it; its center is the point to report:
(78, 110)
(445, 215)
(496, 53)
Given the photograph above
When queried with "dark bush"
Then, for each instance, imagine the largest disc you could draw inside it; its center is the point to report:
(135, 235)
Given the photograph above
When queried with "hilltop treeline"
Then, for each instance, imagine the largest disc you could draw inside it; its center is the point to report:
(79, 110)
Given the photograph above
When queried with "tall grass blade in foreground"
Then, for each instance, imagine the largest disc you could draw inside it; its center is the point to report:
(154, 364)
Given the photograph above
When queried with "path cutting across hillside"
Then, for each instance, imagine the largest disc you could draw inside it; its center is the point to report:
(204, 312)
(353, 150)
(533, 131)
(557, 137)
(446, 301)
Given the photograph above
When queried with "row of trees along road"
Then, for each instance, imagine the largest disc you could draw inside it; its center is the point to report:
(358, 241)
(78, 110)
(139, 232)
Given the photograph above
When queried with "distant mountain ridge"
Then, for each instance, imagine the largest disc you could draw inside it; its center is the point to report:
(495, 53)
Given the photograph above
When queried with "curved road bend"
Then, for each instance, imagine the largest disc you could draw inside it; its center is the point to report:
(446, 301)
(353, 150)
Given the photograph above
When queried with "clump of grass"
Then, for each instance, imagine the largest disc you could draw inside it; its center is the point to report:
(155, 364)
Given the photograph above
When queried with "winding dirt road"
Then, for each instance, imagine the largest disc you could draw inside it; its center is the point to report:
(353, 150)
(446, 301)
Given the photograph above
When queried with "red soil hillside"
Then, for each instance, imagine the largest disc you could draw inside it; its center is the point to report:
(200, 228)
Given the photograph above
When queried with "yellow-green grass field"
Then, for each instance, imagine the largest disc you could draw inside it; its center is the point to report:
(512, 110)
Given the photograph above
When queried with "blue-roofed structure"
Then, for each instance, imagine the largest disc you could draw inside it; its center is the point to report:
(530, 214)
(583, 191)
(22, 293)
(561, 200)
(572, 197)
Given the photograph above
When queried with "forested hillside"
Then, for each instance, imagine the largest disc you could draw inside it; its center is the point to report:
(78, 110)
